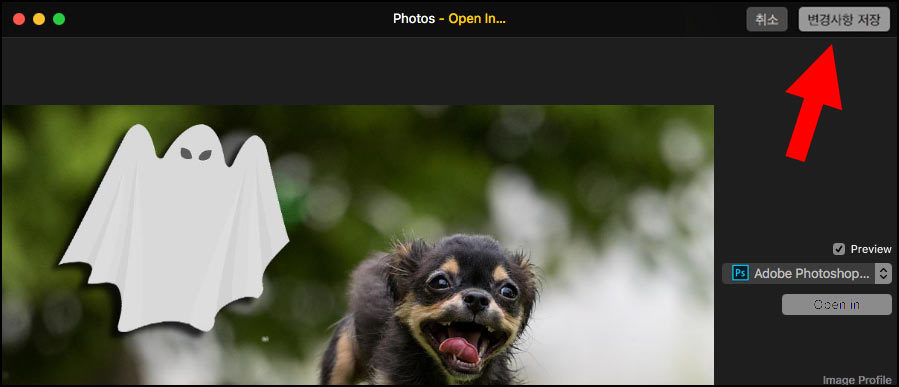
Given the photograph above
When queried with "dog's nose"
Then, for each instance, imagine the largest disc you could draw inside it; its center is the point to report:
(476, 300)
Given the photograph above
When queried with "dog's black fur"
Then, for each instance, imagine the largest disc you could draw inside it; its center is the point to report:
(392, 330)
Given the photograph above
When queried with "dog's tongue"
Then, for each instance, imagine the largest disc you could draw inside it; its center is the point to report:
(461, 348)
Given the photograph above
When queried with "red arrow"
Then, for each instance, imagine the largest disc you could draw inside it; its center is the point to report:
(817, 86)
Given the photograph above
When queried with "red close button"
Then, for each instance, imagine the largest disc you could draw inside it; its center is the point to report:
(18, 19)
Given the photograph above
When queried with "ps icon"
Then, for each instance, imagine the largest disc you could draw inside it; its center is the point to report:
(739, 272)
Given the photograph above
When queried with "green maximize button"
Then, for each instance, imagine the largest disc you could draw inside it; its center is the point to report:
(59, 18)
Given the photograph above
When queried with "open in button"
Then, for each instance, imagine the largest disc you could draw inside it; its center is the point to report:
(837, 304)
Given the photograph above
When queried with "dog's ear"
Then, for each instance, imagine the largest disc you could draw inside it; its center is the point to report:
(526, 270)
(523, 263)
(402, 264)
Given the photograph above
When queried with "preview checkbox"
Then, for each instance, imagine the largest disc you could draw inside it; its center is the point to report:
(839, 248)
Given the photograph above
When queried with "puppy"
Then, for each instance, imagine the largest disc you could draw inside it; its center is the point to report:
(443, 314)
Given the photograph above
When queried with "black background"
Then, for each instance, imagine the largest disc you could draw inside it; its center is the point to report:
(768, 208)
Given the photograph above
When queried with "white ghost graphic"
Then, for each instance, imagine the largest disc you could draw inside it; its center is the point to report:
(184, 235)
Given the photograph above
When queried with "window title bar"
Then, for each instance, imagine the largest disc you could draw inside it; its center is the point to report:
(638, 19)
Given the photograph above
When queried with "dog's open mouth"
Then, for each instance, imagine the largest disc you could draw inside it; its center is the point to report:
(463, 345)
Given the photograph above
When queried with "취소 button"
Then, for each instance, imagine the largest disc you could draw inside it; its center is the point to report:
(766, 19)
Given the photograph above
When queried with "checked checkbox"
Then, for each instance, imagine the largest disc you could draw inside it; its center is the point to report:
(839, 248)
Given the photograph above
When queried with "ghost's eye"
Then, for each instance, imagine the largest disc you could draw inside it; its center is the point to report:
(205, 155)
(185, 153)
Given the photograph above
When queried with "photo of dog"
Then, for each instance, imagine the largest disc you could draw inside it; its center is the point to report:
(605, 211)
(443, 314)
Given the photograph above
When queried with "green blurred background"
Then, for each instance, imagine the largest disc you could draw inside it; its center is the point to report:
(613, 190)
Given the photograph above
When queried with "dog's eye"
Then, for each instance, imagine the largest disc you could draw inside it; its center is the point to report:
(509, 292)
(439, 282)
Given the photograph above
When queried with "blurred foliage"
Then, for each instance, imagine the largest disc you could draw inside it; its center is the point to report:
(349, 179)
